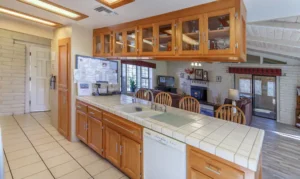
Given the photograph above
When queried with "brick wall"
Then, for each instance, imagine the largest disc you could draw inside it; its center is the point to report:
(12, 77)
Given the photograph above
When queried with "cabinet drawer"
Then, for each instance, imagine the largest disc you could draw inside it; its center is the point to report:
(121, 125)
(213, 168)
(81, 106)
(94, 112)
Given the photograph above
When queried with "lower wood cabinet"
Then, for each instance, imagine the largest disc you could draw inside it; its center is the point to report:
(112, 146)
(111, 136)
(81, 125)
(131, 157)
(198, 175)
(95, 134)
(203, 165)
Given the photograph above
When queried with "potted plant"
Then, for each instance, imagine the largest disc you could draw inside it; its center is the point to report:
(132, 85)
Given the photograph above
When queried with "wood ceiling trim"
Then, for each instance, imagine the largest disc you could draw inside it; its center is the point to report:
(82, 16)
(116, 4)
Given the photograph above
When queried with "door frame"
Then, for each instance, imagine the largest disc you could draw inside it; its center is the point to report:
(27, 71)
(69, 85)
(253, 95)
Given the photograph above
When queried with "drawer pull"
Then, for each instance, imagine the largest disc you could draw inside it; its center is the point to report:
(92, 113)
(79, 107)
(119, 126)
(213, 169)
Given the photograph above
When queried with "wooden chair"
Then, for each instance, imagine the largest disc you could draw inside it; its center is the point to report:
(226, 112)
(163, 98)
(190, 104)
(140, 94)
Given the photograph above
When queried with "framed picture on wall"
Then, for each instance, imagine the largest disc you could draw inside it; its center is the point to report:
(205, 75)
(199, 74)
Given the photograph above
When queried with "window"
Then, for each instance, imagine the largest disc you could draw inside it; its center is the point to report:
(271, 88)
(245, 85)
(257, 87)
(141, 75)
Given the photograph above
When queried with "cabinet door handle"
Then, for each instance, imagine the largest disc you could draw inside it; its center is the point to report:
(87, 126)
(79, 107)
(120, 149)
(213, 169)
(117, 147)
(92, 113)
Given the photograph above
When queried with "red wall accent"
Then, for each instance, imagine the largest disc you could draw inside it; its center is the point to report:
(256, 71)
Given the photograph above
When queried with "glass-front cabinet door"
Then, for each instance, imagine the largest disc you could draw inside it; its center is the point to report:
(118, 43)
(98, 46)
(131, 46)
(190, 41)
(107, 44)
(220, 32)
(165, 38)
(146, 40)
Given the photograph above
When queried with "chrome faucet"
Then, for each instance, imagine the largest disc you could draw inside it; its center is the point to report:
(152, 99)
(134, 96)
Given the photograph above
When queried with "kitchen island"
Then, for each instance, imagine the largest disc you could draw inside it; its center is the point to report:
(229, 149)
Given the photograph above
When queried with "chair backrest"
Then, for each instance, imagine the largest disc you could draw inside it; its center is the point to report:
(163, 98)
(190, 104)
(140, 94)
(231, 113)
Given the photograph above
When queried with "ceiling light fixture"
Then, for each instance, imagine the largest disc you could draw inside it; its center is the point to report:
(28, 17)
(55, 8)
(115, 3)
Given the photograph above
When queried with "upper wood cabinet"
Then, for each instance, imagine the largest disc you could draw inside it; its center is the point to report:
(102, 44)
(220, 32)
(131, 41)
(147, 41)
(212, 32)
(190, 35)
(165, 38)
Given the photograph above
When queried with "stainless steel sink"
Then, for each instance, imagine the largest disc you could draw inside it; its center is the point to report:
(172, 119)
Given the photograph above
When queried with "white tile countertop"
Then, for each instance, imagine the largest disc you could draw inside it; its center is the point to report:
(234, 142)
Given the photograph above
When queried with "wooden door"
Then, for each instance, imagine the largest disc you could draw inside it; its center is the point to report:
(198, 175)
(165, 38)
(220, 32)
(131, 157)
(63, 84)
(95, 135)
(112, 146)
(147, 40)
(118, 44)
(190, 35)
(107, 44)
(63, 111)
(98, 44)
(81, 126)
(131, 42)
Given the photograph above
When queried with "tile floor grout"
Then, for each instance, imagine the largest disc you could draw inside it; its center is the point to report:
(64, 150)
(26, 133)
(33, 146)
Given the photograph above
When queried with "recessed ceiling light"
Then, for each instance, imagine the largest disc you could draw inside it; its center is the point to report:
(28, 17)
(55, 8)
(115, 3)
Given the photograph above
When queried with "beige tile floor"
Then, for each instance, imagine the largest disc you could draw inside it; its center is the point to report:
(34, 149)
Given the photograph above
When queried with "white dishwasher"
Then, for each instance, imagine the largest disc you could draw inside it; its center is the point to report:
(164, 157)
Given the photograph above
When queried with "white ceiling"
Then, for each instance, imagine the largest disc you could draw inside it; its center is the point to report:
(280, 36)
(133, 11)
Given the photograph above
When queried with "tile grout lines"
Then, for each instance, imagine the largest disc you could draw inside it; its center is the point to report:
(33, 147)
(8, 165)
(62, 147)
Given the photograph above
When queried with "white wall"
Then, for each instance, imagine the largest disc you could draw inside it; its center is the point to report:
(27, 27)
(82, 39)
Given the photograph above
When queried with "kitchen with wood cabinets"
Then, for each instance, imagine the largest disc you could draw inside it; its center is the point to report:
(212, 32)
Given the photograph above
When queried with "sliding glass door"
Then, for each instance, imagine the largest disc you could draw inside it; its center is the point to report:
(264, 97)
